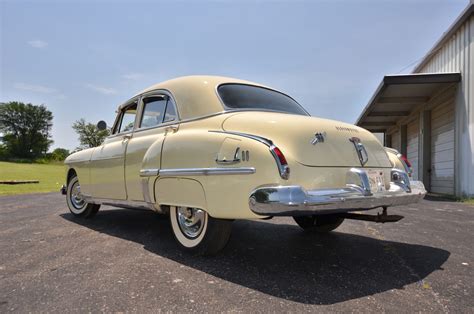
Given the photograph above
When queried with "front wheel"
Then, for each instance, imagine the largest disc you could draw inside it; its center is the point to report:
(320, 224)
(197, 232)
(75, 201)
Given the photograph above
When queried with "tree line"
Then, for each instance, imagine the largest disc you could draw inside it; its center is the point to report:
(25, 133)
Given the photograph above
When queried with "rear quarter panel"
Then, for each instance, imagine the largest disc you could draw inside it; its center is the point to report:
(225, 196)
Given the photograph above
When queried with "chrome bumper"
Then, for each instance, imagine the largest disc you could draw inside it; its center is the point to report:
(356, 196)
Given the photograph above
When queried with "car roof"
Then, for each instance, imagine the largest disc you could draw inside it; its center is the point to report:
(196, 96)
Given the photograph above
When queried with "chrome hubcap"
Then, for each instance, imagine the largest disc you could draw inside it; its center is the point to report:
(190, 221)
(76, 196)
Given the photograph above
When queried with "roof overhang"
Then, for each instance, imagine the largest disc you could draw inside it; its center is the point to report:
(398, 95)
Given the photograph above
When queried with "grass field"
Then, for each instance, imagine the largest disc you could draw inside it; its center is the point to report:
(51, 177)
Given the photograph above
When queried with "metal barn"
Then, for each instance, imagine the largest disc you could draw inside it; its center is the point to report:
(428, 115)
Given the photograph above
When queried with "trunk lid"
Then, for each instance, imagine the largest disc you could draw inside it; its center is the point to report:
(295, 136)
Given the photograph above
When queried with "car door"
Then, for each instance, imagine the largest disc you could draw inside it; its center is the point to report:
(157, 117)
(108, 160)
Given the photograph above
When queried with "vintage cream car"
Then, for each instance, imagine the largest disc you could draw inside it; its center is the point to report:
(208, 150)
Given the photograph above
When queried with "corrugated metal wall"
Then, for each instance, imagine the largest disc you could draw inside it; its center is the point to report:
(457, 55)
(442, 148)
(413, 143)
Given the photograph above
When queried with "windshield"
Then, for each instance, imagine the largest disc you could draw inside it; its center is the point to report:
(240, 96)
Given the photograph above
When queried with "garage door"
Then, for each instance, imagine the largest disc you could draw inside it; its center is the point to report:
(396, 140)
(442, 149)
(413, 145)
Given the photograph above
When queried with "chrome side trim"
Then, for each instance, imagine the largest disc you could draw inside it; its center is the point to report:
(283, 169)
(121, 203)
(205, 171)
(260, 139)
(195, 171)
(149, 172)
(146, 189)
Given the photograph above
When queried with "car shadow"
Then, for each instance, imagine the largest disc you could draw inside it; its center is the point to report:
(280, 260)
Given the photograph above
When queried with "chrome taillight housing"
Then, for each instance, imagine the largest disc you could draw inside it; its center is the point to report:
(282, 164)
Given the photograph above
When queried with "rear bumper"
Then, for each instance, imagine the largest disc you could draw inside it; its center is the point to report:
(294, 200)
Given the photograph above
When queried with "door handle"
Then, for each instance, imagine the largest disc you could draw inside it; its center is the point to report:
(171, 128)
(126, 137)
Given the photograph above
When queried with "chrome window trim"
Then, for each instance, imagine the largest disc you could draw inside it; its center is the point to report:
(196, 171)
(118, 135)
(139, 98)
(216, 90)
(159, 92)
(118, 119)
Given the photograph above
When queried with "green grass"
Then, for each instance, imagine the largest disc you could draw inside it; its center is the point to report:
(468, 201)
(51, 177)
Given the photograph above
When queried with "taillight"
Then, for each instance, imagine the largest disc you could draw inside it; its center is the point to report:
(406, 161)
(282, 164)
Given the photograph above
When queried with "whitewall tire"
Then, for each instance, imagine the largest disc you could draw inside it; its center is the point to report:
(197, 232)
(75, 201)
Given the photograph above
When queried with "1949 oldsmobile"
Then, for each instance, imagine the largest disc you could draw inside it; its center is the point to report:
(207, 150)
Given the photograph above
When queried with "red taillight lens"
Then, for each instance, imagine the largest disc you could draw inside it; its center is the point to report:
(280, 156)
(281, 162)
(406, 161)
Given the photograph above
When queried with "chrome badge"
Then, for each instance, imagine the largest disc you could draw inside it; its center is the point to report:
(360, 149)
(318, 138)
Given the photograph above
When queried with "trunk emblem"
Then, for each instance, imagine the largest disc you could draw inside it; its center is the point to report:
(318, 138)
(360, 149)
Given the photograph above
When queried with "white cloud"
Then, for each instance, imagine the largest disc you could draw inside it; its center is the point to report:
(37, 43)
(101, 89)
(34, 88)
(132, 76)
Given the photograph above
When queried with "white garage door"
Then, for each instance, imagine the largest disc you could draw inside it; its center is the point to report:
(412, 145)
(396, 140)
(442, 149)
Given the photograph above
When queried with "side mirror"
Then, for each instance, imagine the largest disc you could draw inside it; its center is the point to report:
(101, 125)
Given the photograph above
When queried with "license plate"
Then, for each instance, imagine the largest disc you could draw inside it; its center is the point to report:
(376, 180)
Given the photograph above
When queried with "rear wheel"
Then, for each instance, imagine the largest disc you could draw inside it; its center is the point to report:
(320, 224)
(197, 232)
(75, 201)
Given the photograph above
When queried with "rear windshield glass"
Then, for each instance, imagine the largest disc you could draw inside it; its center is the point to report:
(240, 96)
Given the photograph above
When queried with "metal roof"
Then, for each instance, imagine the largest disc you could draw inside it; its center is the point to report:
(398, 95)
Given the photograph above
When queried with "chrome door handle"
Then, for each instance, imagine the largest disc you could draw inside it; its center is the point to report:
(172, 128)
(126, 137)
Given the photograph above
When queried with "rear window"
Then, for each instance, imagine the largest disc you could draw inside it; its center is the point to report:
(240, 96)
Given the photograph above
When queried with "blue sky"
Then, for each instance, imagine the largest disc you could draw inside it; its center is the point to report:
(84, 58)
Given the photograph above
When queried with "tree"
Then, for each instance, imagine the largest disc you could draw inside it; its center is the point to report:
(89, 134)
(26, 129)
(59, 154)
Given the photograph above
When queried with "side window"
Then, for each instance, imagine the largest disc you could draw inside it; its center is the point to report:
(153, 111)
(170, 114)
(127, 119)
